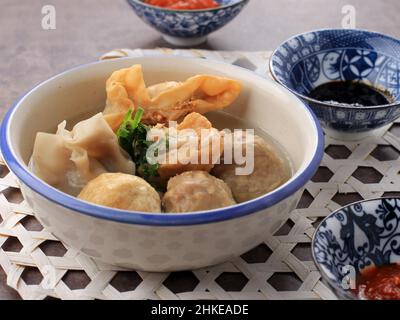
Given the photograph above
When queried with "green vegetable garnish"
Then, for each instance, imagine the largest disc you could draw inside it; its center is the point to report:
(132, 137)
(127, 130)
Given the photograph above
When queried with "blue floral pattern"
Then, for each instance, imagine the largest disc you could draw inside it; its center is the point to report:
(188, 24)
(311, 59)
(359, 235)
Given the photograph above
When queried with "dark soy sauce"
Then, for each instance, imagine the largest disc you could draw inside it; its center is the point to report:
(350, 92)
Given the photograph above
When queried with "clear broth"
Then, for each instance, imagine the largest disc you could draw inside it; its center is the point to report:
(219, 120)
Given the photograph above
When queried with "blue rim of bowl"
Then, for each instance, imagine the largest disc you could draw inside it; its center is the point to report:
(311, 100)
(144, 4)
(334, 285)
(156, 219)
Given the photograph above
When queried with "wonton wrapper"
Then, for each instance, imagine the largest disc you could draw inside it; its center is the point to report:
(67, 160)
(190, 159)
(122, 191)
(168, 101)
(269, 173)
(196, 191)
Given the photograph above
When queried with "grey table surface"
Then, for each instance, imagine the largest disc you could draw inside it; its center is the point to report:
(85, 29)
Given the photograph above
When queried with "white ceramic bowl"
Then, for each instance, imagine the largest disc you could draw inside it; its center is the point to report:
(160, 242)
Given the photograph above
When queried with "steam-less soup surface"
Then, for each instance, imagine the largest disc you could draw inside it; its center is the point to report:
(163, 148)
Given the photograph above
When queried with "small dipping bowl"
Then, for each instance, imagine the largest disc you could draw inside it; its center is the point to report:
(355, 237)
(186, 28)
(317, 57)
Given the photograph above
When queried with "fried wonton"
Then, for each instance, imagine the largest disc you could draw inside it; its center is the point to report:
(167, 101)
(193, 145)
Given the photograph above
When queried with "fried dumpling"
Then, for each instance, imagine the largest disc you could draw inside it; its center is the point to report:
(67, 160)
(269, 172)
(194, 145)
(168, 101)
(196, 191)
(122, 191)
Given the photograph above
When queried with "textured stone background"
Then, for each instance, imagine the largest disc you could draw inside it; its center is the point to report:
(88, 28)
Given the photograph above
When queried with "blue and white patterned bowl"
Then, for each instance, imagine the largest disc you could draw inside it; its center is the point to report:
(187, 27)
(313, 58)
(360, 235)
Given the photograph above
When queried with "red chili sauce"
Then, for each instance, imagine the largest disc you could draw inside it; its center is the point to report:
(380, 283)
(184, 4)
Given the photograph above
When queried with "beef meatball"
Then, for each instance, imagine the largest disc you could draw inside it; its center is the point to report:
(268, 174)
(196, 191)
(122, 191)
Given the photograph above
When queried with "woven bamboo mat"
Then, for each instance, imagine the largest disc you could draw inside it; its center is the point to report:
(279, 268)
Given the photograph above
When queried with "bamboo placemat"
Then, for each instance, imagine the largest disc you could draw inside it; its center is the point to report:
(279, 268)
